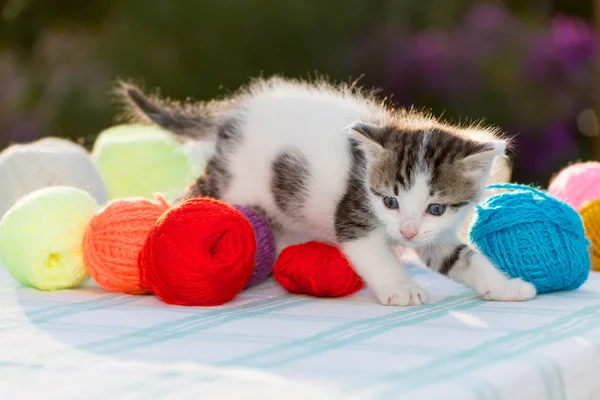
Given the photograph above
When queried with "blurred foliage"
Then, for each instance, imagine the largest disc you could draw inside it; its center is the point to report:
(534, 79)
(59, 59)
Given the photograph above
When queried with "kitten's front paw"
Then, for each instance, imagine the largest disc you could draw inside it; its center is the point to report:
(409, 294)
(510, 290)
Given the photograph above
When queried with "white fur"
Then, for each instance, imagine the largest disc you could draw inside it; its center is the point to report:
(480, 274)
(412, 213)
(314, 122)
(376, 263)
(488, 282)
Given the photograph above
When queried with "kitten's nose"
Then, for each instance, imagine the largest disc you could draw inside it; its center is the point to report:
(408, 232)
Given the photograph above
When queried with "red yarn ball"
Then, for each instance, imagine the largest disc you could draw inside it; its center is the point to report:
(200, 253)
(316, 269)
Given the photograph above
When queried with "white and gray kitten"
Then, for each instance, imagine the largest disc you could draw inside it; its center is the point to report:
(333, 164)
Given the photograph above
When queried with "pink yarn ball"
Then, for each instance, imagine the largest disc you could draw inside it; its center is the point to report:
(577, 184)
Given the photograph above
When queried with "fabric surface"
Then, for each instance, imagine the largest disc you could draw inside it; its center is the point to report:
(90, 344)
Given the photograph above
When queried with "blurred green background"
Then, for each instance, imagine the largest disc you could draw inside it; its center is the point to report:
(527, 66)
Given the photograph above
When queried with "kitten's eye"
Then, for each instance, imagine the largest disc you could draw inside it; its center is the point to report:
(436, 209)
(390, 203)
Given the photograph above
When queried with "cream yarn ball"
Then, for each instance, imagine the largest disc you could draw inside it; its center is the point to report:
(25, 168)
(42, 234)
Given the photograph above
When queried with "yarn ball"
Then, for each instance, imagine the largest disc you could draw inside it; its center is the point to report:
(41, 237)
(25, 168)
(577, 184)
(265, 245)
(138, 161)
(529, 234)
(590, 214)
(316, 269)
(113, 241)
(200, 253)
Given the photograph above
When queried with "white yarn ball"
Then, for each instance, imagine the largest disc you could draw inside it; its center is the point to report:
(25, 168)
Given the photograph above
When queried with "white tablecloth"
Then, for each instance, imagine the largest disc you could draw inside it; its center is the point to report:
(89, 344)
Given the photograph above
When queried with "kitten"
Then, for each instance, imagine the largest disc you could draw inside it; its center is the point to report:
(331, 163)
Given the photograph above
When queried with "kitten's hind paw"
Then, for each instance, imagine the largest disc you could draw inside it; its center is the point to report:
(510, 290)
(408, 294)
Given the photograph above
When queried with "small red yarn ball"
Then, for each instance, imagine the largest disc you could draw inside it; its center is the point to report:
(316, 269)
(200, 253)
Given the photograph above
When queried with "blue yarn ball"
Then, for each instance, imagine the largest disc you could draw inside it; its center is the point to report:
(529, 234)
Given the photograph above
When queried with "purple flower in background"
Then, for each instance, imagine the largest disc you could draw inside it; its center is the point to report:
(487, 16)
(542, 151)
(501, 68)
(562, 51)
(429, 52)
(560, 137)
(529, 157)
(542, 59)
(573, 39)
(402, 71)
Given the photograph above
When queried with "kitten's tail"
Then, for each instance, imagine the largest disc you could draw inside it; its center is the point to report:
(196, 121)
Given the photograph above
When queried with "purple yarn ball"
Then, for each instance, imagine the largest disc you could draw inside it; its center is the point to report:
(265, 245)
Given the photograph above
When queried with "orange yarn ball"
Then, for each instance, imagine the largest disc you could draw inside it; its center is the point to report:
(114, 239)
(590, 215)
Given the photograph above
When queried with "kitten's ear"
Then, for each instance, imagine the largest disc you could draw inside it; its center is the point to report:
(367, 135)
(480, 161)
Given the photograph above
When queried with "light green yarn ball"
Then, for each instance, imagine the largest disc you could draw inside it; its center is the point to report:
(41, 237)
(139, 161)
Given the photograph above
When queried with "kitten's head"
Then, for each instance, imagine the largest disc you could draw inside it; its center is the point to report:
(424, 177)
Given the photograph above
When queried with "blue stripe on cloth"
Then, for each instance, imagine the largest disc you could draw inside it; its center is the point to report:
(191, 324)
(551, 375)
(106, 301)
(513, 344)
(350, 333)
(482, 389)
(523, 311)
